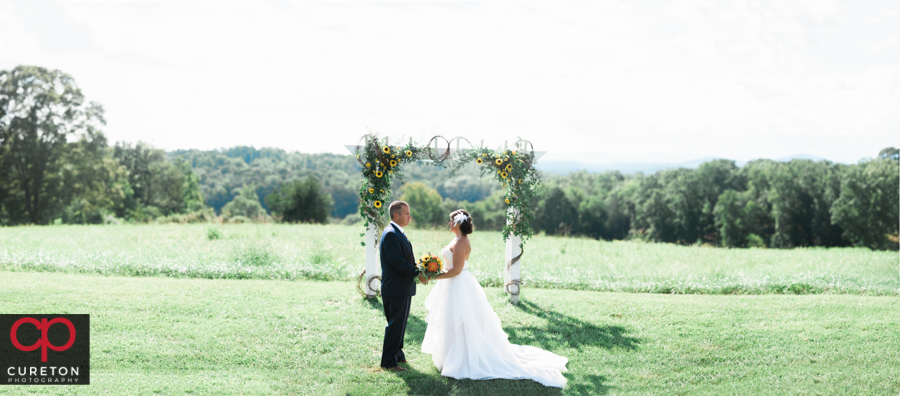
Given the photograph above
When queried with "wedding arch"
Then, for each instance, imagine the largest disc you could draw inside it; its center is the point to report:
(513, 167)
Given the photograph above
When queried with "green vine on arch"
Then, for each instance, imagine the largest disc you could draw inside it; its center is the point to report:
(513, 169)
(380, 163)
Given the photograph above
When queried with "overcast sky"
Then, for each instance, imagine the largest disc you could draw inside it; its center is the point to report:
(593, 81)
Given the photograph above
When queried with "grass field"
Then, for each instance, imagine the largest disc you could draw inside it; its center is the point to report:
(290, 252)
(256, 337)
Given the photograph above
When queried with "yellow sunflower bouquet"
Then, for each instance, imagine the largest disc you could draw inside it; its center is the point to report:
(430, 265)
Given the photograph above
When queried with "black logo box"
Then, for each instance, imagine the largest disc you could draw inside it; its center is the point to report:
(75, 359)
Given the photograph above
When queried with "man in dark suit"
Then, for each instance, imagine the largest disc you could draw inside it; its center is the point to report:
(398, 284)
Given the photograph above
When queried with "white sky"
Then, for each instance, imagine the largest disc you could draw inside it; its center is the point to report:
(593, 81)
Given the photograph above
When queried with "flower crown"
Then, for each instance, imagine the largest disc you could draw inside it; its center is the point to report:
(459, 218)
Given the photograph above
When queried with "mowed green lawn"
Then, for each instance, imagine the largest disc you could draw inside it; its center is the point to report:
(333, 252)
(156, 335)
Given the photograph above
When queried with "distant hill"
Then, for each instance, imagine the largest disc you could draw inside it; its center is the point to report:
(566, 167)
(223, 172)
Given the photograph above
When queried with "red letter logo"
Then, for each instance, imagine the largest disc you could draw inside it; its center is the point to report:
(43, 342)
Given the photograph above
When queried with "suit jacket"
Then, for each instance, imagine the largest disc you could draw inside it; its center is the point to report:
(398, 268)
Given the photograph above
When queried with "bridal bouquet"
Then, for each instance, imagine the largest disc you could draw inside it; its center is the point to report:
(430, 265)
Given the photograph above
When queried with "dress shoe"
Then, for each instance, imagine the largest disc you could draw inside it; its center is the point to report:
(396, 369)
(401, 361)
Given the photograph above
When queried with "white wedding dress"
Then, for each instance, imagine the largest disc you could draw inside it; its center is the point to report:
(465, 339)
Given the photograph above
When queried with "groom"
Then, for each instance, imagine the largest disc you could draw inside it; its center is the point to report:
(398, 273)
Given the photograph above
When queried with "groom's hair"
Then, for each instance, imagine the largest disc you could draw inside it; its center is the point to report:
(395, 208)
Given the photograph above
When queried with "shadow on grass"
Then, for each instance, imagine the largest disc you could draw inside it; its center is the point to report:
(589, 385)
(569, 330)
(415, 326)
(432, 383)
(562, 329)
(375, 303)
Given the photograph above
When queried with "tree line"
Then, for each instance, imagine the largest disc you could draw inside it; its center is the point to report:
(58, 167)
(764, 203)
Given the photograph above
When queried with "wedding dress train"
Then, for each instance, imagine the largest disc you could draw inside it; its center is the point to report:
(465, 339)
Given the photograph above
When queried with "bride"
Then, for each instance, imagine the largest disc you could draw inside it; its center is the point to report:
(464, 336)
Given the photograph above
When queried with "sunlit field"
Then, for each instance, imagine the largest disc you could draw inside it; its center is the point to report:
(333, 252)
(163, 336)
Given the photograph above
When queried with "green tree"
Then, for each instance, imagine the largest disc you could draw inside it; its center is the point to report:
(658, 217)
(755, 178)
(465, 188)
(161, 187)
(713, 178)
(40, 110)
(801, 192)
(652, 216)
(890, 153)
(599, 212)
(682, 194)
(300, 201)
(245, 204)
(167, 188)
(248, 154)
(730, 219)
(223, 172)
(869, 202)
(346, 200)
(619, 209)
(142, 161)
(95, 185)
(555, 213)
(592, 217)
(425, 205)
(191, 195)
(690, 197)
(739, 219)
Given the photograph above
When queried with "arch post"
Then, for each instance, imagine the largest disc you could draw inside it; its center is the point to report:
(512, 273)
(373, 267)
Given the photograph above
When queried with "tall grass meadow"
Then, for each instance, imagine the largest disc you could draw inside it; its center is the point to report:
(333, 253)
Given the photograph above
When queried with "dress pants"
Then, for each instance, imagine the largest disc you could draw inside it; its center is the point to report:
(396, 311)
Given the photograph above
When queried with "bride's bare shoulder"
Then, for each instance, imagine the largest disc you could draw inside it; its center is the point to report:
(459, 242)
